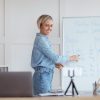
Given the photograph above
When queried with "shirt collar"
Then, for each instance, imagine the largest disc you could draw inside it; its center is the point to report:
(40, 34)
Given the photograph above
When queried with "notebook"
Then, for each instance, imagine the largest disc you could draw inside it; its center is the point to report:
(16, 84)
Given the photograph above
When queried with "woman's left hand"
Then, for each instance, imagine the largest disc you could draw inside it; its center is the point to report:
(59, 66)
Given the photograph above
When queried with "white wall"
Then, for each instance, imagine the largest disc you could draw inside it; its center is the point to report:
(2, 32)
(18, 28)
(80, 8)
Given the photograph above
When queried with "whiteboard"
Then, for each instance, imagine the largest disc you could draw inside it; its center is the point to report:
(81, 35)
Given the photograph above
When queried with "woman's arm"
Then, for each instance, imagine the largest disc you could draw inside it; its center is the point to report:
(48, 52)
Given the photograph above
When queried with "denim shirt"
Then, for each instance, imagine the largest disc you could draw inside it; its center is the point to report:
(43, 54)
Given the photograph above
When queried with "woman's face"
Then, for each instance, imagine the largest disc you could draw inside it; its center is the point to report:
(46, 27)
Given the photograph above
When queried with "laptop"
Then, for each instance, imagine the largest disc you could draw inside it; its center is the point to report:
(16, 84)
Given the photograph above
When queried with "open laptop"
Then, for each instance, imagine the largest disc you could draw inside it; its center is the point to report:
(16, 84)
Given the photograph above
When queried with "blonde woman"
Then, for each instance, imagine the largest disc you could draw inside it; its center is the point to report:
(44, 59)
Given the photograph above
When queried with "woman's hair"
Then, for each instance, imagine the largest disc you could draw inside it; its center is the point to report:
(42, 19)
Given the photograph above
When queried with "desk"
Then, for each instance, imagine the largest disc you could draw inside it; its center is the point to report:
(55, 98)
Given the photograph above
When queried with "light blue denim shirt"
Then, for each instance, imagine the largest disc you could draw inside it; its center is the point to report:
(43, 54)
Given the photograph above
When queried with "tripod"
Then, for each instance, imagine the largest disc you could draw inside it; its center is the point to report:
(71, 83)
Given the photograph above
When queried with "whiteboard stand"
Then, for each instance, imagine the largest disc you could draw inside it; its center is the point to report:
(74, 90)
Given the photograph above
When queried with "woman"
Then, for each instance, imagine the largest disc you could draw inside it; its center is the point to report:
(44, 59)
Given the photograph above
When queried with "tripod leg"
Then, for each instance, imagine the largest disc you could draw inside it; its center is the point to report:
(74, 87)
(67, 88)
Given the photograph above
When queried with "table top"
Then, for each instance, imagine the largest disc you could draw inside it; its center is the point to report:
(53, 98)
(81, 96)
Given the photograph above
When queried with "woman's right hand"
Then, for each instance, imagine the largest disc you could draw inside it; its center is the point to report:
(74, 58)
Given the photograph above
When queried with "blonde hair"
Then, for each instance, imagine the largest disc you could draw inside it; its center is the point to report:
(42, 19)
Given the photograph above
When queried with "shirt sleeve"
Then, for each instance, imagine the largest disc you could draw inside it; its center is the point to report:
(49, 52)
(62, 60)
